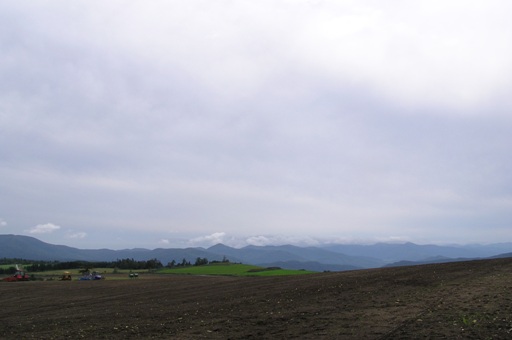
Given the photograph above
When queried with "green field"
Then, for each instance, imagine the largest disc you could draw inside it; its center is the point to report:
(231, 269)
(7, 266)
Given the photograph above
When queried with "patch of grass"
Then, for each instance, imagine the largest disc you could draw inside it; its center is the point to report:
(232, 270)
(7, 266)
(474, 320)
(469, 320)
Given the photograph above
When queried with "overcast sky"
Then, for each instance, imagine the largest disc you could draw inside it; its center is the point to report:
(187, 123)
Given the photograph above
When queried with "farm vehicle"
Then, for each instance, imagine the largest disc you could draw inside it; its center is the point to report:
(66, 276)
(19, 275)
(90, 276)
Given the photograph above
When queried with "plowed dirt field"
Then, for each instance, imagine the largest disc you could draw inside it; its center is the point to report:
(453, 301)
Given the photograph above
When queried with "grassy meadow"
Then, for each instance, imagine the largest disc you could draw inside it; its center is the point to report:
(232, 270)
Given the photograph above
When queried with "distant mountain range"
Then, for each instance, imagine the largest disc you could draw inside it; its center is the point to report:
(332, 257)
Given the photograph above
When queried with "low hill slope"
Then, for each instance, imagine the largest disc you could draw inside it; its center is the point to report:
(437, 301)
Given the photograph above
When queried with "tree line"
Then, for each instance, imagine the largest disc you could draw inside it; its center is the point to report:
(41, 266)
(200, 261)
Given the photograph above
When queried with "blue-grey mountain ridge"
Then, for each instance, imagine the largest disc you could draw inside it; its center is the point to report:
(332, 257)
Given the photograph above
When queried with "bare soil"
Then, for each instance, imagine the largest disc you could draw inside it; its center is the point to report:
(455, 301)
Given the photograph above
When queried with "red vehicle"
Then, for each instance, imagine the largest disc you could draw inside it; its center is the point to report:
(19, 275)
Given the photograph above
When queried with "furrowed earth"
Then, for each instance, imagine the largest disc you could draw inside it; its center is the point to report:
(454, 300)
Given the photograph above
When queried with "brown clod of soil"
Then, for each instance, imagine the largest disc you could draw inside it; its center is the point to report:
(454, 301)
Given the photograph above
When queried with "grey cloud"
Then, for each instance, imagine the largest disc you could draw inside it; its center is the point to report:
(290, 118)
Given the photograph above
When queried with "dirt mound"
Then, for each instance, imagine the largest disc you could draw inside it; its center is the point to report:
(454, 300)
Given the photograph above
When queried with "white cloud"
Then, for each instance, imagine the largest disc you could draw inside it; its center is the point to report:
(164, 241)
(277, 240)
(258, 241)
(305, 241)
(47, 228)
(3, 223)
(77, 235)
(209, 240)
